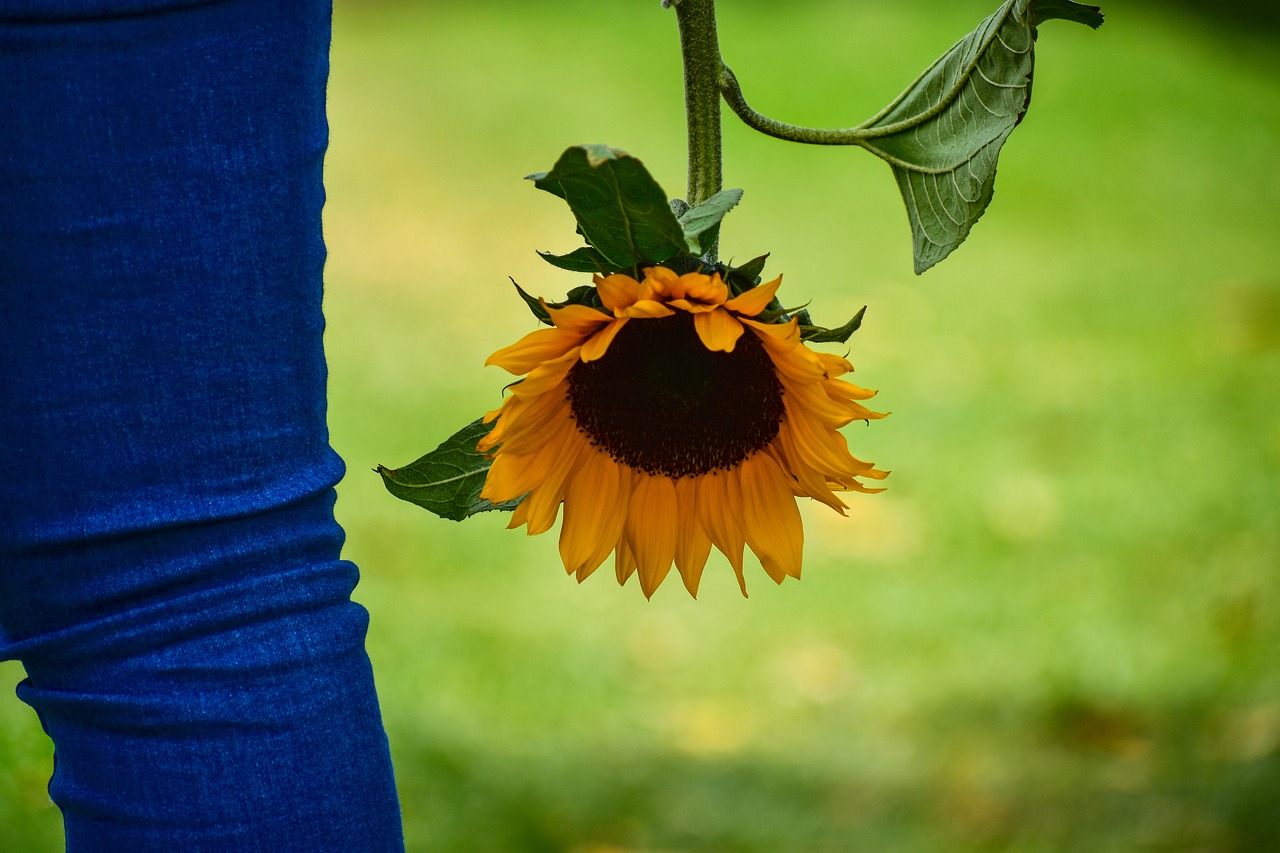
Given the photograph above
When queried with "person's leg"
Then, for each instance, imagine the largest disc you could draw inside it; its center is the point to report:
(169, 561)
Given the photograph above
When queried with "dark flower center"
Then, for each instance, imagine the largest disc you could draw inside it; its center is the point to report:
(663, 403)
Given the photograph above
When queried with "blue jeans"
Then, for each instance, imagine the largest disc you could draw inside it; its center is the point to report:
(169, 561)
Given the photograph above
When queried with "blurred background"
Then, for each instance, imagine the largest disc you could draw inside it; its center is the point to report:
(1059, 630)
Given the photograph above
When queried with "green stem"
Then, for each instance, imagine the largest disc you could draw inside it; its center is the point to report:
(700, 49)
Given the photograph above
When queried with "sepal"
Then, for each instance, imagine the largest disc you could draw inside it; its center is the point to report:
(810, 333)
(582, 295)
(743, 278)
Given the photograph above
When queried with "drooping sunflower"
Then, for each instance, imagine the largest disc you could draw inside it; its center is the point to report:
(670, 421)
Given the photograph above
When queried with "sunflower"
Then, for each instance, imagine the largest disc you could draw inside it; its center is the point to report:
(669, 421)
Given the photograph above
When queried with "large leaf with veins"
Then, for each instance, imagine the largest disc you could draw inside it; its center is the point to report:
(942, 135)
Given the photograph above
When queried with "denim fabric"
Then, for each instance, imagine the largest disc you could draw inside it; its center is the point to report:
(169, 561)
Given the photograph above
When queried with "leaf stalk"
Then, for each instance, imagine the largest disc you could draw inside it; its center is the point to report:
(737, 102)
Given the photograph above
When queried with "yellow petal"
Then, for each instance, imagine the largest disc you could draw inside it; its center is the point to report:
(808, 482)
(651, 528)
(545, 498)
(595, 509)
(862, 413)
(816, 446)
(546, 376)
(834, 364)
(503, 420)
(792, 359)
(839, 389)
(534, 423)
(598, 344)
(624, 564)
(855, 464)
(705, 288)
(770, 517)
(810, 397)
(534, 349)
(782, 337)
(719, 510)
(663, 282)
(511, 476)
(691, 307)
(617, 291)
(519, 516)
(718, 330)
(646, 308)
(692, 544)
(796, 368)
(755, 300)
(578, 319)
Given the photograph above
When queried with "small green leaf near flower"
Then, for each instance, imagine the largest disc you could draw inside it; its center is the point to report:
(702, 223)
(621, 211)
(447, 481)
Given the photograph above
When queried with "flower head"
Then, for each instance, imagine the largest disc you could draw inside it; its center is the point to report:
(670, 421)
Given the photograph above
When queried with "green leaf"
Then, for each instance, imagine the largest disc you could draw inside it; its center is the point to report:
(585, 259)
(942, 135)
(621, 211)
(702, 223)
(448, 480)
(820, 335)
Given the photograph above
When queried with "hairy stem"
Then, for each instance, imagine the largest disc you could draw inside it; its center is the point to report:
(700, 50)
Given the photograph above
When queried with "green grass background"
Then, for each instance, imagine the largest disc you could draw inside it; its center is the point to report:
(1060, 628)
